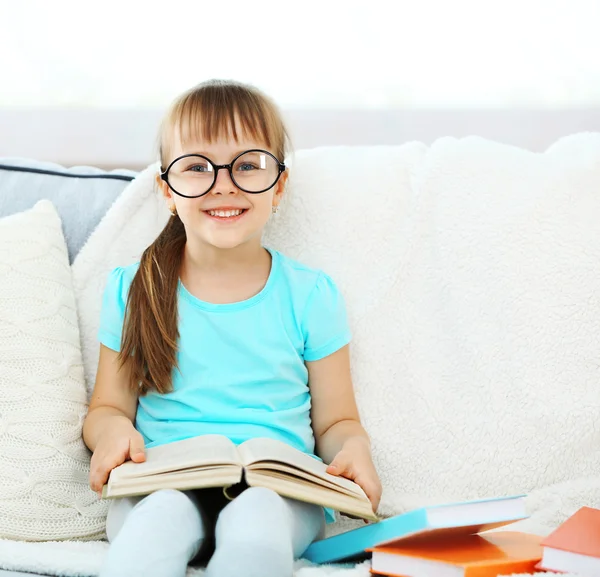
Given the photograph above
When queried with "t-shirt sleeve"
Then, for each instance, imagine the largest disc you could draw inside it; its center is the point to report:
(112, 313)
(325, 322)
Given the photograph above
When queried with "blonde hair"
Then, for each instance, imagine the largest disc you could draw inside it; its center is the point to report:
(211, 110)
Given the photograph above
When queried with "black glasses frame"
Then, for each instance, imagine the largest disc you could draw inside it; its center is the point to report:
(216, 167)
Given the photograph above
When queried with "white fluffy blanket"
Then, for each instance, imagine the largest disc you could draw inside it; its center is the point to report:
(84, 559)
(81, 559)
(470, 270)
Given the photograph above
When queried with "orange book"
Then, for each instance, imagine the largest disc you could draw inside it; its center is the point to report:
(575, 545)
(486, 555)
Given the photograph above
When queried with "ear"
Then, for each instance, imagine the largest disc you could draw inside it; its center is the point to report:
(280, 187)
(164, 189)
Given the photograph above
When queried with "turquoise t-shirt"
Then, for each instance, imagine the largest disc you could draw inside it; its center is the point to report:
(241, 365)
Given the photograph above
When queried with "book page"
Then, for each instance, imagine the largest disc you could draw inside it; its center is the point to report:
(223, 476)
(291, 472)
(311, 493)
(258, 453)
(202, 451)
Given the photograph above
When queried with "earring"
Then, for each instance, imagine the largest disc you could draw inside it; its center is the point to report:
(274, 209)
(173, 210)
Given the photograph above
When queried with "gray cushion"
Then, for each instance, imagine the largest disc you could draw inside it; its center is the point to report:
(4, 573)
(81, 194)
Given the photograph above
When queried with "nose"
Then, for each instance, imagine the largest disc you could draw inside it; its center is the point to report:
(223, 182)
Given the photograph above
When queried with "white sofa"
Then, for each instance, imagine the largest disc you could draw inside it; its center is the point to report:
(471, 271)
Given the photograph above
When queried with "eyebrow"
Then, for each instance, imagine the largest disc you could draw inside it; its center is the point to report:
(238, 152)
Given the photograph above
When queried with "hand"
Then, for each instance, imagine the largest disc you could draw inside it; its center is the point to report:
(354, 462)
(119, 443)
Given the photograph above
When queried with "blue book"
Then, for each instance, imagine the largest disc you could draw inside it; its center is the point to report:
(436, 521)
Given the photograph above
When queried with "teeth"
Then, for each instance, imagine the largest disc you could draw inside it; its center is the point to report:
(224, 213)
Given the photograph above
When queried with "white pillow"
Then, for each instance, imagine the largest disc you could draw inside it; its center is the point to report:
(44, 464)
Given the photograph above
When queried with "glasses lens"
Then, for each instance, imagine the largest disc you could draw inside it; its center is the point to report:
(191, 176)
(255, 171)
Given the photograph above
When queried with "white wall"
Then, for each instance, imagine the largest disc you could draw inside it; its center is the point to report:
(85, 82)
(126, 138)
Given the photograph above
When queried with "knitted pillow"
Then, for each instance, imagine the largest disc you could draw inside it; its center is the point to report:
(44, 464)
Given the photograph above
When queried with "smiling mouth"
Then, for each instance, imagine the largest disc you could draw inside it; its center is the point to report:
(226, 214)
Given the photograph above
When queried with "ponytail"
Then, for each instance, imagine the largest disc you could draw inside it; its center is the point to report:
(150, 330)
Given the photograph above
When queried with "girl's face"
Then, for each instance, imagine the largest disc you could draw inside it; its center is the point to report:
(226, 216)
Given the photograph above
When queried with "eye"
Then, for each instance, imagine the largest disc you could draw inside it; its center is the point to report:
(246, 166)
(200, 168)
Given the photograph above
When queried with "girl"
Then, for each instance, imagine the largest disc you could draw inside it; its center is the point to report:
(211, 332)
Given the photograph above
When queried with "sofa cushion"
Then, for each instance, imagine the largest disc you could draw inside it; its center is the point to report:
(44, 464)
(81, 194)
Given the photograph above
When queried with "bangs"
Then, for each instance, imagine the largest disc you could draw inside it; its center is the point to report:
(223, 110)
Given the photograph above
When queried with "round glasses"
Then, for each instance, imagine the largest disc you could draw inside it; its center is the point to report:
(194, 175)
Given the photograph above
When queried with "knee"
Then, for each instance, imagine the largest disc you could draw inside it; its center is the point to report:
(176, 503)
(253, 537)
(167, 512)
(260, 501)
(160, 535)
(259, 517)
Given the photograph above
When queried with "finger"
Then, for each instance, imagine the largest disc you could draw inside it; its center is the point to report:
(103, 465)
(339, 465)
(137, 451)
(373, 497)
(98, 478)
(95, 472)
(371, 489)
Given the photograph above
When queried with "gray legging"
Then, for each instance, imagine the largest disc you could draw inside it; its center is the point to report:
(259, 533)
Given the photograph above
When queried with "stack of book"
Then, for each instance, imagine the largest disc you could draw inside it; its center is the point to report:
(456, 540)
(451, 540)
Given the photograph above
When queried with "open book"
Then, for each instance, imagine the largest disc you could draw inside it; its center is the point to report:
(215, 461)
